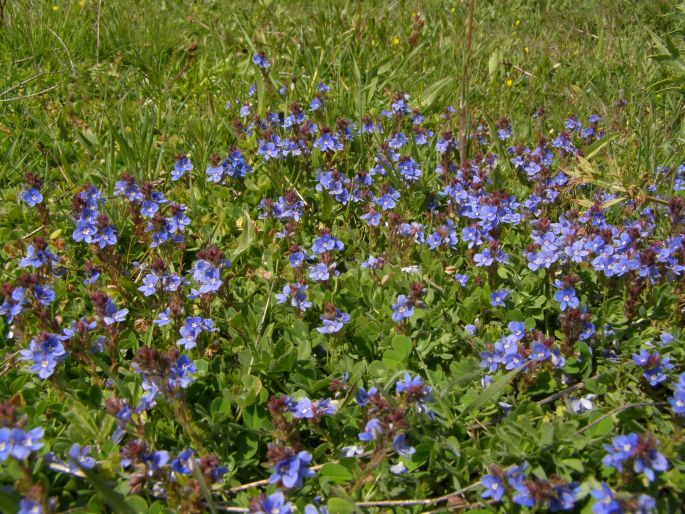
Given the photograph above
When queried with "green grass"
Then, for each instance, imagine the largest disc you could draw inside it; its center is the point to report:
(156, 80)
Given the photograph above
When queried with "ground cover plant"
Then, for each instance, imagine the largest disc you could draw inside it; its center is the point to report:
(342, 257)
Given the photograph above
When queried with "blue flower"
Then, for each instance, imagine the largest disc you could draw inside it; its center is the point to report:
(84, 231)
(27, 506)
(489, 361)
(260, 60)
(328, 143)
(180, 374)
(302, 408)
(45, 352)
(403, 309)
(319, 272)
(649, 461)
(315, 104)
(296, 258)
(654, 365)
(79, 457)
(6, 442)
(163, 318)
(407, 383)
(513, 360)
(518, 329)
(461, 279)
(182, 165)
(362, 396)
(621, 449)
(539, 352)
(192, 328)
(373, 218)
(371, 431)
(498, 298)
(333, 322)
(32, 197)
(399, 444)
(44, 294)
(207, 276)
(605, 501)
(112, 315)
(182, 464)
(326, 243)
(148, 209)
(494, 488)
(677, 401)
(523, 497)
(516, 475)
(415, 390)
(25, 443)
(409, 169)
(564, 496)
(324, 407)
(398, 469)
(567, 298)
(582, 404)
(154, 461)
(272, 504)
(311, 509)
(351, 451)
(297, 294)
(291, 471)
(149, 286)
(37, 258)
(397, 141)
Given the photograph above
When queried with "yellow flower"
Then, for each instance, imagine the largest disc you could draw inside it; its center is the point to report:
(525, 49)
(55, 7)
(517, 23)
(510, 82)
(395, 41)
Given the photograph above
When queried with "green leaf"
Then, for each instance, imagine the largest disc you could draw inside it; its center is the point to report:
(402, 345)
(336, 473)
(246, 239)
(8, 502)
(493, 390)
(431, 94)
(115, 500)
(595, 147)
(138, 503)
(601, 429)
(340, 506)
(493, 63)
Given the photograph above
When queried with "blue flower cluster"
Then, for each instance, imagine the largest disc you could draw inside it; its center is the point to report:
(654, 366)
(233, 166)
(511, 350)
(92, 226)
(191, 329)
(146, 205)
(551, 495)
(639, 450)
(78, 460)
(18, 443)
(292, 469)
(677, 401)
(607, 501)
(297, 293)
(45, 352)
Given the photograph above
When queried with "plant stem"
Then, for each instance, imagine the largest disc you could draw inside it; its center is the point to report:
(463, 118)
